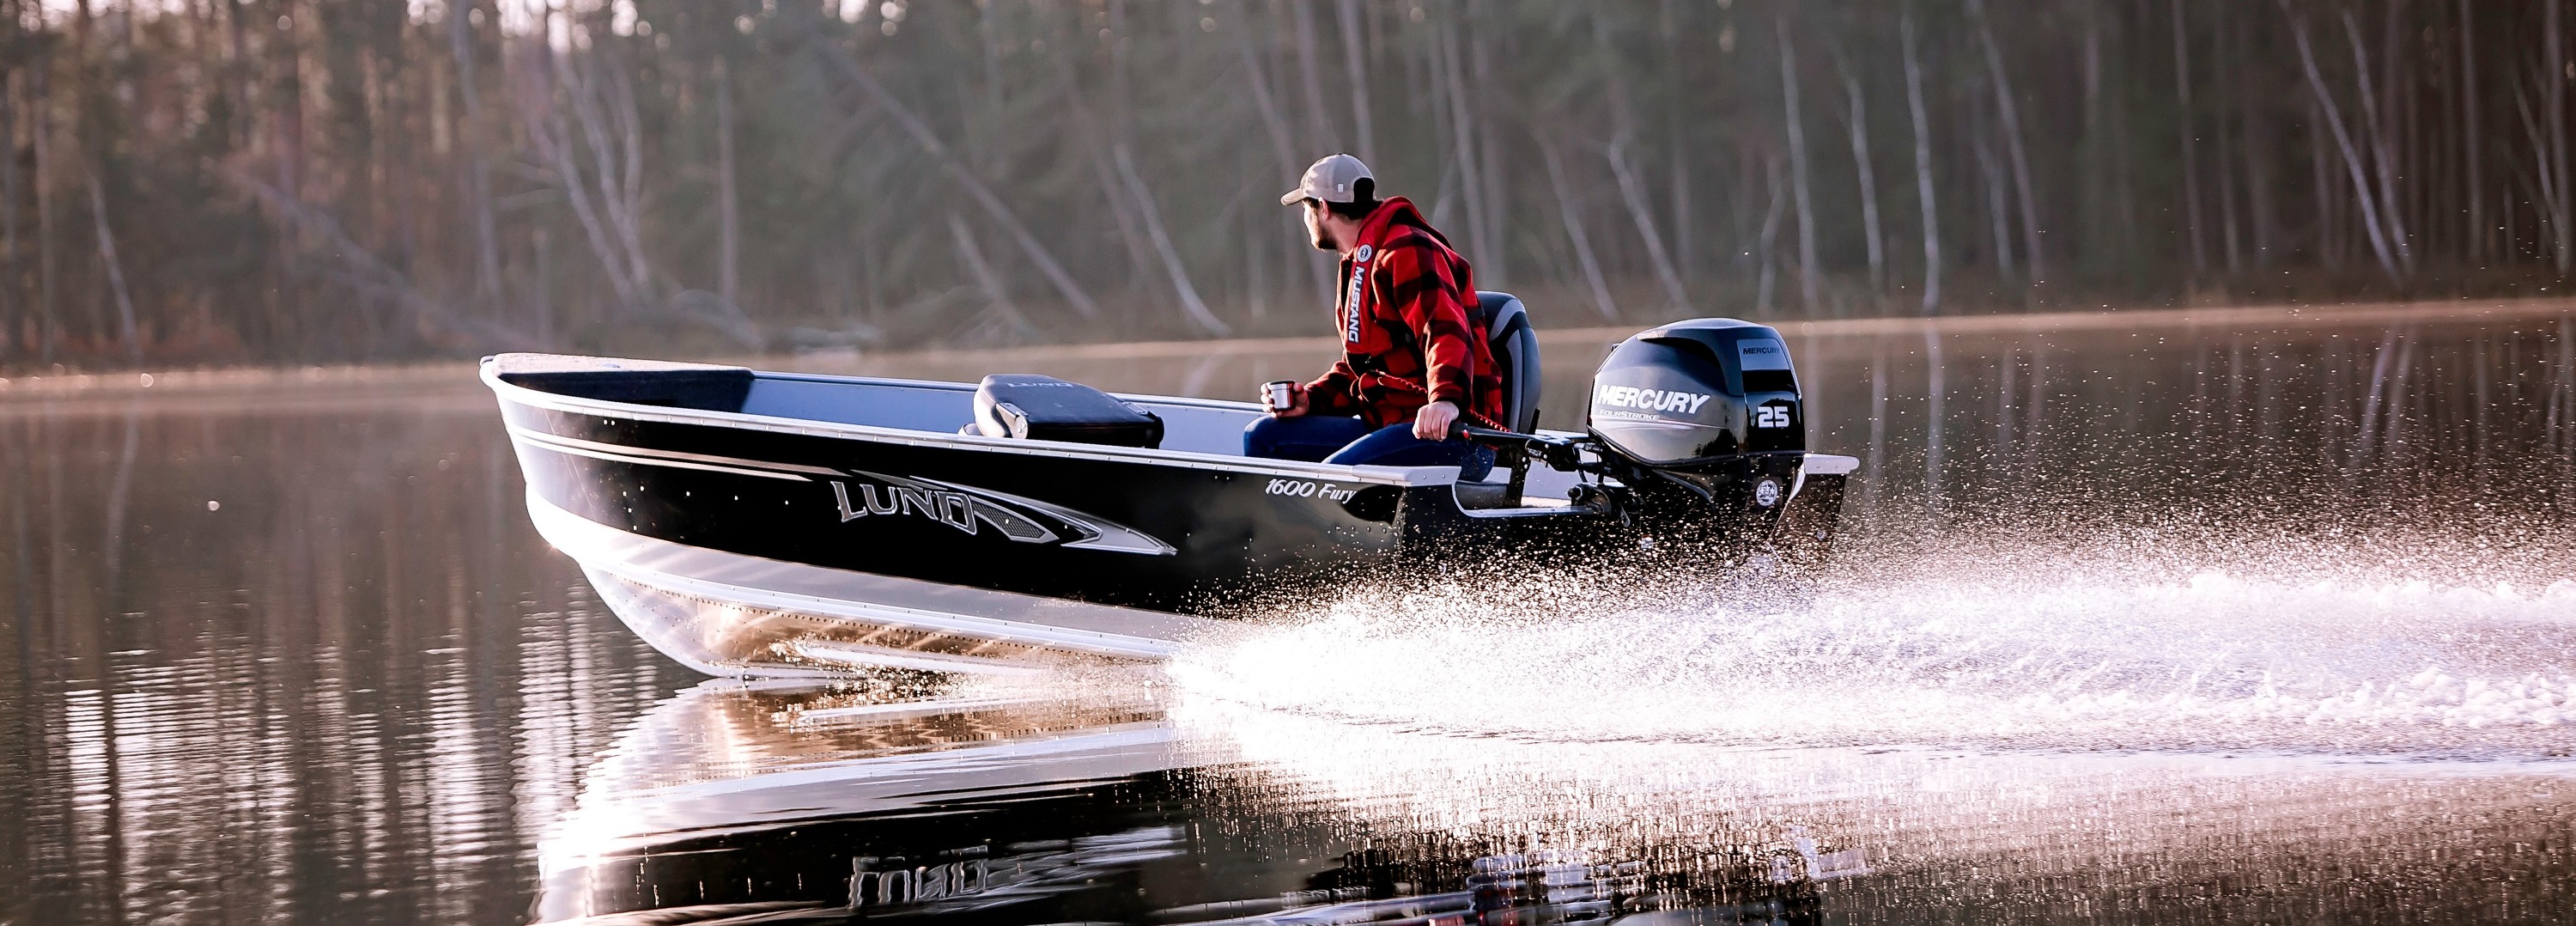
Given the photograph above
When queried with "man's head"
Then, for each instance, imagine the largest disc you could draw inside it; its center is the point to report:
(1337, 195)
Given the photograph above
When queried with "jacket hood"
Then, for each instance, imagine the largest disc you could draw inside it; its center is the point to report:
(1392, 212)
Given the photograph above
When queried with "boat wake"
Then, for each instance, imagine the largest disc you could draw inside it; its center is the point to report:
(2302, 648)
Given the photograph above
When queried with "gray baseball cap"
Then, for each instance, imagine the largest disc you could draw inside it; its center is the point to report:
(1331, 180)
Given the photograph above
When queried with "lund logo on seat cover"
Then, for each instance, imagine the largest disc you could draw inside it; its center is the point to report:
(970, 510)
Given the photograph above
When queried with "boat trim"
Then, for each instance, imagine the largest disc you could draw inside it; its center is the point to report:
(1383, 475)
(620, 453)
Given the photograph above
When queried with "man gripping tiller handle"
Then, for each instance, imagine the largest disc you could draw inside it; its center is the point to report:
(1413, 365)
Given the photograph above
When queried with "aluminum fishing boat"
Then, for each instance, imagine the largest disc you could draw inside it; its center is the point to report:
(777, 524)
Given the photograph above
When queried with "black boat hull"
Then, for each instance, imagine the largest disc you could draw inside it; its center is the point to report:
(743, 543)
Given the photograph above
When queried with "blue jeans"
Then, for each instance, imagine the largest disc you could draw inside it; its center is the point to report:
(1351, 442)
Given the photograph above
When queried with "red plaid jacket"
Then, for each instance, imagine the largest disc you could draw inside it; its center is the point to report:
(1408, 338)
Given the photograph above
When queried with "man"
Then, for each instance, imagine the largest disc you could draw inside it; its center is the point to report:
(1413, 364)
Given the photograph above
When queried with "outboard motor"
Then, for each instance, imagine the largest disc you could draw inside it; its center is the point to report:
(1707, 407)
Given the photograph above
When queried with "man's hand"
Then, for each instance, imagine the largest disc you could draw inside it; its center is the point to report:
(1292, 411)
(1433, 421)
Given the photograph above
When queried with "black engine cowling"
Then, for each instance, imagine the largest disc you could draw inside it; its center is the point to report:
(1710, 405)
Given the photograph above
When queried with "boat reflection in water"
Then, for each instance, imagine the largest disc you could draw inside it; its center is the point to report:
(776, 802)
(1107, 799)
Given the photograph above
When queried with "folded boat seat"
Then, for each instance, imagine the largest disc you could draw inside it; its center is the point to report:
(1032, 407)
(1515, 345)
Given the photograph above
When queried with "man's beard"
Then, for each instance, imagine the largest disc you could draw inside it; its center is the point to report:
(1322, 239)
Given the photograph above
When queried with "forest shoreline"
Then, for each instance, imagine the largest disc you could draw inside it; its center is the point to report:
(427, 379)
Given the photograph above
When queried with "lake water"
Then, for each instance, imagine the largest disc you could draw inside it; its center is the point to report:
(2231, 617)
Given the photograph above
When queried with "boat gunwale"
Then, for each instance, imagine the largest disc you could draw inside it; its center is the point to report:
(1404, 476)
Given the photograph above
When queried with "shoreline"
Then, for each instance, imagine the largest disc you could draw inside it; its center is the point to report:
(412, 376)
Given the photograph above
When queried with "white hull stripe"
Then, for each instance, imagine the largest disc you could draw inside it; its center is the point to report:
(650, 457)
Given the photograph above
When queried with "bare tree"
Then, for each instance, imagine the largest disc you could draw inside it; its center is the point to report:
(11, 275)
(999, 310)
(2010, 112)
(550, 133)
(2554, 67)
(1191, 306)
(126, 329)
(1922, 162)
(1768, 245)
(1856, 124)
(1353, 54)
(2472, 185)
(40, 148)
(1470, 171)
(478, 175)
(728, 212)
(1574, 233)
(1310, 74)
(2333, 112)
(1808, 280)
(1072, 292)
(1632, 191)
(2190, 145)
(1113, 191)
(1990, 177)
(2383, 154)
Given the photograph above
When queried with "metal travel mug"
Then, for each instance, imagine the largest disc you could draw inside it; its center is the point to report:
(1281, 394)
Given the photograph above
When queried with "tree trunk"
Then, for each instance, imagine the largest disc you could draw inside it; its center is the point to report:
(1195, 310)
(2554, 58)
(1354, 55)
(2383, 155)
(983, 196)
(728, 211)
(1857, 121)
(552, 135)
(1684, 243)
(1990, 177)
(1489, 170)
(2321, 176)
(1767, 247)
(1275, 120)
(12, 278)
(1808, 285)
(2541, 183)
(2010, 111)
(127, 331)
(1922, 163)
(2474, 187)
(1310, 75)
(1469, 172)
(2190, 147)
(2379, 244)
(1112, 190)
(2256, 139)
(40, 141)
(2230, 243)
(478, 179)
(1573, 219)
(1264, 101)
(997, 297)
(1632, 191)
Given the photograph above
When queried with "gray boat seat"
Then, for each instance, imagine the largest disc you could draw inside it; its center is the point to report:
(1515, 346)
(1033, 407)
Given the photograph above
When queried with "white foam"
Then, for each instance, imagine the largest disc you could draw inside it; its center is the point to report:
(2069, 650)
